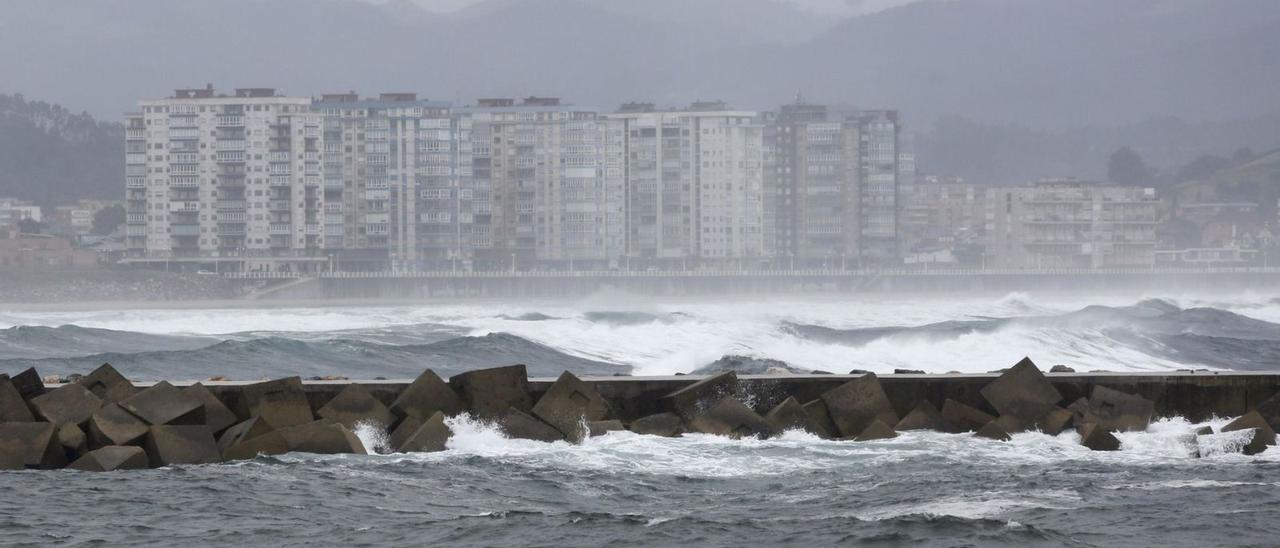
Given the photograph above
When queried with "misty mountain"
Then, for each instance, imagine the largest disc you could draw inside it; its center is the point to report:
(986, 152)
(53, 156)
(1033, 63)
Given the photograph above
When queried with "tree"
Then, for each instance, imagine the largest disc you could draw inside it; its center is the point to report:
(1126, 167)
(1202, 167)
(108, 219)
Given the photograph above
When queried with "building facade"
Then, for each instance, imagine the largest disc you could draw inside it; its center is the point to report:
(1070, 224)
(398, 185)
(694, 185)
(549, 183)
(226, 179)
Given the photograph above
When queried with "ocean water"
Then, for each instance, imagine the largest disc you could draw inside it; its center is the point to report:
(921, 488)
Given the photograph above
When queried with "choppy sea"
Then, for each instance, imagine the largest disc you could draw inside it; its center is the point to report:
(920, 488)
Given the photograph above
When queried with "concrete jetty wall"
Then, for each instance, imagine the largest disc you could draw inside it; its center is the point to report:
(1195, 395)
(103, 421)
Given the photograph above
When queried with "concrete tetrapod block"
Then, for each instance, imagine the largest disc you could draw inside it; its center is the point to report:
(324, 437)
(170, 444)
(355, 404)
(248, 439)
(819, 420)
(788, 415)
(993, 430)
(1097, 438)
(924, 417)
(406, 428)
(216, 414)
(569, 404)
(112, 425)
(600, 428)
(1203, 431)
(1022, 393)
(854, 405)
(73, 440)
(71, 403)
(282, 402)
(958, 417)
(518, 424)
(667, 425)
(29, 383)
(732, 418)
(1263, 435)
(692, 400)
(271, 443)
(1051, 420)
(1270, 411)
(425, 396)
(36, 442)
(164, 403)
(490, 392)
(1115, 410)
(13, 455)
(111, 458)
(431, 436)
(107, 383)
(877, 430)
(12, 407)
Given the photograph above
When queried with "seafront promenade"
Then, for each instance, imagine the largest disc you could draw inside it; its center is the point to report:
(564, 283)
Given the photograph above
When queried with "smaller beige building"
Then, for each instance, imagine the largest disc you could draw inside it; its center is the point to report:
(1070, 224)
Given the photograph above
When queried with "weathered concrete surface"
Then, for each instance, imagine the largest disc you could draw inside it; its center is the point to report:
(489, 393)
(283, 402)
(569, 404)
(112, 425)
(70, 403)
(164, 403)
(355, 404)
(107, 383)
(111, 458)
(181, 444)
(1263, 436)
(427, 395)
(431, 436)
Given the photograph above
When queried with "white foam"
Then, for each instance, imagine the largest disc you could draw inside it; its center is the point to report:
(693, 333)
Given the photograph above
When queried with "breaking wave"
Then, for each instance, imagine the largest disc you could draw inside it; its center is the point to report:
(965, 334)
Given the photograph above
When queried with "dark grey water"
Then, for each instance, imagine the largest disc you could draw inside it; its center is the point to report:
(923, 488)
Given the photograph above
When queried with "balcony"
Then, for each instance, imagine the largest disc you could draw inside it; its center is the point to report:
(184, 207)
(280, 229)
(230, 205)
(231, 216)
(231, 230)
(135, 134)
(313, 230)
(279, 205)
(136, 218)
(135, 182)
(236, 144)
(231, 156)
(184, 230)
(135, 158)
(230, 121)
(279, 181)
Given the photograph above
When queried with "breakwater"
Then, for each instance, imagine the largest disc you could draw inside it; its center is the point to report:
(103, 421)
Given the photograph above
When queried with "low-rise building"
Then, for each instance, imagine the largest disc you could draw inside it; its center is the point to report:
(1068, 224)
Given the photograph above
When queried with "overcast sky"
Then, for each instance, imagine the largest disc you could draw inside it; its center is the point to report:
(842, 7)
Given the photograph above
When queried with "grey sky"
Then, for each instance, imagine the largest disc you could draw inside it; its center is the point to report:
(840, 7)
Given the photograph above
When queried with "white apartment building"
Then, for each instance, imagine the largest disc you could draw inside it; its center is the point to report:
(694, 184)
(548, 184)
(226, 179)
(398, 185)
